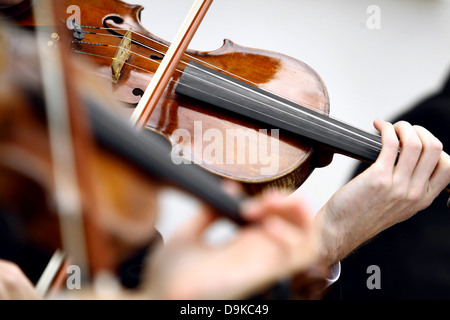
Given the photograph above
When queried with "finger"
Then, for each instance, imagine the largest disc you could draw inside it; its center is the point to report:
(298, 244)
(232, 187)
(389, 150)
(255, 209)
(23, 290)
(15, 282)
(296, 208)
(441, 175)
(302, 205)
(411, 148)
(195, 228)
(431, 152)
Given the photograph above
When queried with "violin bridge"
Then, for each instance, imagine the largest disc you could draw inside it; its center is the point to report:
(122, 55)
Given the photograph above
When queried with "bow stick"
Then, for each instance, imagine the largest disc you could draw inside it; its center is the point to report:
(168, 65)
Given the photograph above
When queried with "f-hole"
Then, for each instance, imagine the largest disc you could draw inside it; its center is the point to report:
(138, 92)
(115, 19)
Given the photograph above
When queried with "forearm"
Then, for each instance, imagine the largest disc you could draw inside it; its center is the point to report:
(340, 234)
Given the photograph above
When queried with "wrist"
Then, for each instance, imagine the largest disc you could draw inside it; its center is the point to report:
(330, 239)
(342, 233)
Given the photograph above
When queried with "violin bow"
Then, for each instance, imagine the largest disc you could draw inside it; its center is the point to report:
(169, 63)
(73, 174)
(66, 184)
(53, 275)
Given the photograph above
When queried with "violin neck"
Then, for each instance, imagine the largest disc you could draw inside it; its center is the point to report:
(234, 95)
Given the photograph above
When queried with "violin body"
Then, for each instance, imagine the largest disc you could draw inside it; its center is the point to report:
(274, 72)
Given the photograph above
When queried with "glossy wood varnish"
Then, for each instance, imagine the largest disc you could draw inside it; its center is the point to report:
(277, 73)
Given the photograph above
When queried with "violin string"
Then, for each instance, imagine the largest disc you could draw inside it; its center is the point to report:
(109, 58)
(374, 147)
(296, 109)
(377, 149)
(269, 106)
(302, 103)
(193, 58)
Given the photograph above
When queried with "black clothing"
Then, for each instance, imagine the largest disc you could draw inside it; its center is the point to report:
(413, 256)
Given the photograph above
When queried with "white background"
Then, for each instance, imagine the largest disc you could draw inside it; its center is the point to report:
(368, 73)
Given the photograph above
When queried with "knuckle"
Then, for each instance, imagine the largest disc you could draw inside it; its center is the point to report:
(421, 129)
(403, 127)
(392, 146)
(415, 195)
(398, 194)
(429, 140)
(381, 183)
(392, 142)
(437, 146)
(414, 144)
(402, 124)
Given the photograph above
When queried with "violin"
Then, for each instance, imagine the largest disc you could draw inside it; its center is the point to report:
(99, 224)
(104, 31)
(126, 168)
(207, 88)
(233, 111)
(123, 169)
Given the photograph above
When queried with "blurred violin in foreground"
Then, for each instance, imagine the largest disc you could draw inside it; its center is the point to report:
(87, 187)
(78, 177)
